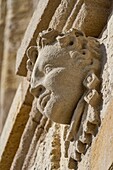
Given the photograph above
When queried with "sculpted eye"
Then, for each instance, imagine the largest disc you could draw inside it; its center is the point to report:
(48, 68)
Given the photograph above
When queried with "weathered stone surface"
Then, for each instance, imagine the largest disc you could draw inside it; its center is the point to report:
(66, 10)
(15, 124)
(106, 72)
(62, 58)
(61, 14)
(48, 148)
(92, 17)
(35, 2)
(39, 131)
(109, 44)
(39, 22)
(26, 138)
(72, 57)
(101, 152)
(2, 27)
(3, 5)
(73, 15)
(101, 156)
(50, 151)
(17, 18)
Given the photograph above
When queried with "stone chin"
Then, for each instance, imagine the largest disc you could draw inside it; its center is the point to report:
(58, 111)
(67, 70)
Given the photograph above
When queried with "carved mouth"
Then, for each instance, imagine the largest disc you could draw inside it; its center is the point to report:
(43, 100)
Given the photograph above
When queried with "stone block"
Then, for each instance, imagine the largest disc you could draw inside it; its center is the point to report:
(102, 147)
(92, 17)
(40, 21)
(15, 124)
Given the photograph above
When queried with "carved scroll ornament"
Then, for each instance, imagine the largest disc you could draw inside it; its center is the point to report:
(65, 79)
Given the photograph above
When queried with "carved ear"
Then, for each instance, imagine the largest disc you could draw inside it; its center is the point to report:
(32, 54)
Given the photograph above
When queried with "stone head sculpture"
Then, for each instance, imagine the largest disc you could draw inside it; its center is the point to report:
(59, 63)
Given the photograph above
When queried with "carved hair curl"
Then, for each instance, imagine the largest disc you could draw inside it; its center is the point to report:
(74, 40)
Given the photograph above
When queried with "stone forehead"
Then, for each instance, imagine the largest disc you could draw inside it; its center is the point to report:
(53, 54)
(53, 50)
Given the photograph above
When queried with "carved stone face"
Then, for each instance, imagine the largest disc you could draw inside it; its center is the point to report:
(56, 82)
(63, 62)
(65, 82)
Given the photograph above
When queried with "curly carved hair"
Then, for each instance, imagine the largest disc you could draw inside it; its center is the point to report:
(83, 48)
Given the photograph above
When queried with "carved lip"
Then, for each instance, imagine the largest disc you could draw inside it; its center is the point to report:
(43, 99)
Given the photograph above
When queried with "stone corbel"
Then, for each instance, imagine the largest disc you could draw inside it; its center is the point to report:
(85, 51)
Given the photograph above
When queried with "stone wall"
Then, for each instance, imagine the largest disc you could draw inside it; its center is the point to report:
(15, 16)
(29, 140)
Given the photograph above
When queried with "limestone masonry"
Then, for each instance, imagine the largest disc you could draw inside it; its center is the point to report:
(56, 89)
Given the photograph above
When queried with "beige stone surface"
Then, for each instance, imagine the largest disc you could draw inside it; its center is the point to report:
(39, 22)
(15, 124)
(66, 10)
(49, 151)
(47, 148)
(39, 132)
(2, 27)
(73, 15)
(86, 160)
(52, 151)
(103, 156)
(62, 59)
(26, 139)
(3, 5)
(63, 43)
(35, 2)
(61, 14)
(109, 44)
(102, 148)
(92, 17)
(17, 18)
(2, 24)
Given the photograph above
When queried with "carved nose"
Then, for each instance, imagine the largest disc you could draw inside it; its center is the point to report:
(37, 90)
